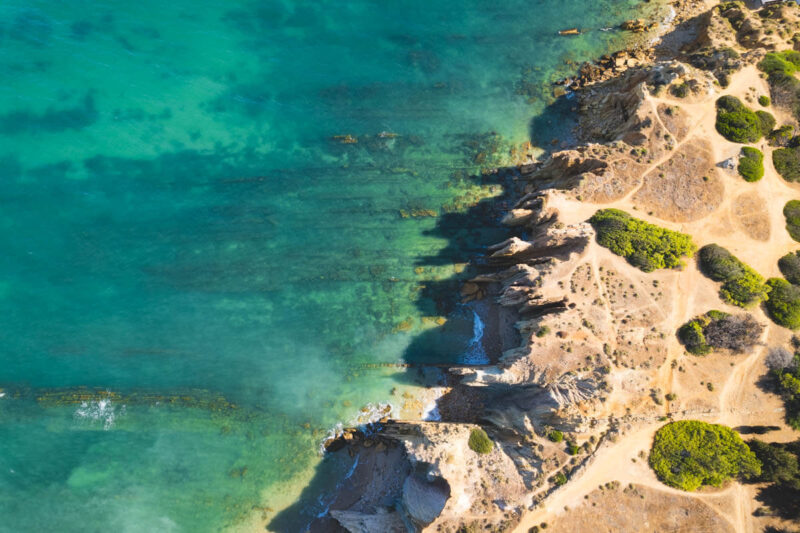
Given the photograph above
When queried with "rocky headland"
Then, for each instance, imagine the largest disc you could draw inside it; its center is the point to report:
(572, 410)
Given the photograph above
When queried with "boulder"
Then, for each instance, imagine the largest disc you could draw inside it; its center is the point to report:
(424, 500)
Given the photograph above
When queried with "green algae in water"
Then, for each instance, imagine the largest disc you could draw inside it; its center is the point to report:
(178, 216)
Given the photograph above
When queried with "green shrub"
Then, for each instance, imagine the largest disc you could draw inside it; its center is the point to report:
(778, 464)
(785, 368)
(764, 100)
(741, 285)
(751, 164)
(783, 306)
(789, 266)
(645, 246)
(573, 449)
(479, 441)
(786, 63)
(559, 479)
(718, 330)
(792, 213)
(693, 339)
(787, 163)
(680, 90)
(555, 436)
(737, 123)
(782, 136)
(544, 330)
(766, 122)
(784, 86)
(689, 454)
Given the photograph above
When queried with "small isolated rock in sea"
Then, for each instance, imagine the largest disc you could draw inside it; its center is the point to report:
(636, 26)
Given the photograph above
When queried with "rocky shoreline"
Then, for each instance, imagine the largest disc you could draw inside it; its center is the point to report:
(583, 370)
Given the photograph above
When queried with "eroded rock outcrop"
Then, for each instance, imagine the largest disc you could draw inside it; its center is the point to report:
(592, 330)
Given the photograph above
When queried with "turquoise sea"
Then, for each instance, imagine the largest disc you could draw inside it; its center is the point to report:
(197, 278)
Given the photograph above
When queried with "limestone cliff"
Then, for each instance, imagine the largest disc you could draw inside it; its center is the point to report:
(596, 333)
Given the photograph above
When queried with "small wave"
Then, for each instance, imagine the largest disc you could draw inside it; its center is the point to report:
(352, 468)
(431, 411)
(475, 354)
(99, 411)
(365, 421)
(326, 500)
(665, 25)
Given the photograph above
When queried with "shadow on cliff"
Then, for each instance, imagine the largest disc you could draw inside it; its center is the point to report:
(476, 331)
(468, 234)
(469, 336)
(473, 332)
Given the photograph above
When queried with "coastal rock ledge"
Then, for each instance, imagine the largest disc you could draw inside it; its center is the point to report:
(598, 352)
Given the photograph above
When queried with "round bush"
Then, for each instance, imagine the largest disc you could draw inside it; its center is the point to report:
(766, 121)
(764, 100)
(718, 263)
(737, 123)
(741, 285)
(792, 213)
(783, 306)
(689, 454)
(782, 136)
(789, 266)
(751, 164)
(479, 441)
(787, 163)
(693, 339)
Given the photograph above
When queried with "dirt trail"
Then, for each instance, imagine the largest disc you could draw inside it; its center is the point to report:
(621, 461)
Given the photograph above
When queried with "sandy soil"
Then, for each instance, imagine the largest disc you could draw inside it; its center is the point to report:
(752, 229)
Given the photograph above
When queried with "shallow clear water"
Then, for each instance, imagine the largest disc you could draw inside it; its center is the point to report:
(180, 229)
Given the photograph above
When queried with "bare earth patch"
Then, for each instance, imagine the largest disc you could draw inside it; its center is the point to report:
(751, 216)
(616, 174)
(675, 120)
(684, 188)
(635, 508)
